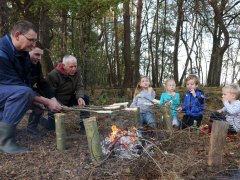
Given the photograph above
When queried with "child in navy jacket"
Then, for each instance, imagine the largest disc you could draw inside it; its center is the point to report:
(194, 102)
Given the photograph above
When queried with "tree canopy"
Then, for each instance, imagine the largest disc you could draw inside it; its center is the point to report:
(115, 41)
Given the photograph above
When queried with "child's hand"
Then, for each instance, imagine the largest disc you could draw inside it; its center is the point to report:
(168, 103)
(219, 110)
(179, 109)
(193, 92)
(138, 96)
(224, 99)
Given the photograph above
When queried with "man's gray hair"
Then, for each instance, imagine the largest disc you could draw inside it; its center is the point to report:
(69, 58)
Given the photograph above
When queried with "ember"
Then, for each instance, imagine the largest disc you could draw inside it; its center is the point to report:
(123, 143)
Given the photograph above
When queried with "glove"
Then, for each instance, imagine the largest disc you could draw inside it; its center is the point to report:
(217, 116)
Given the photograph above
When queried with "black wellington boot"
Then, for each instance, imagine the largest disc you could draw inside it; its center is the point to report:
(7, 140)
(83, 115)
(81, 125)
(33, 123)
(48, 124)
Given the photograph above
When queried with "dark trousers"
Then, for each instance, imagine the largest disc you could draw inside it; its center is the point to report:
(188, 121)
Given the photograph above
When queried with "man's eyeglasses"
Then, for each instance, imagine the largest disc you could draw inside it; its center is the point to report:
(29, 39)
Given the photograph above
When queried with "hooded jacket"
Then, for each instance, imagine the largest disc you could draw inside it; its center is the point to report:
(65, 86)
(14, 65)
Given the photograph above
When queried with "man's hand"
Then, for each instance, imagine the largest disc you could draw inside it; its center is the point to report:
(53, 98)
(54, 105)
(81, 102)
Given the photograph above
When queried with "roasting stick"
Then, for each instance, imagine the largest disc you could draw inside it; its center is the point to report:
(68, 109)
(97, 109)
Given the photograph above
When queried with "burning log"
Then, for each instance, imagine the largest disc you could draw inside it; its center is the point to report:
(122, 143)
(113, 143)
(60, 131)
(93, 139)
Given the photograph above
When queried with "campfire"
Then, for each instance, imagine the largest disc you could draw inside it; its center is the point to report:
(124, 143)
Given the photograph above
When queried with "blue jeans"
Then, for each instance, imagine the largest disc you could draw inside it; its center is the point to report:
(148, 118)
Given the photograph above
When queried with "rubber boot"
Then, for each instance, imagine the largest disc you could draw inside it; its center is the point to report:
(7, 140)
(83, 115)
(81, 125)
(33, 123)
(49, 123)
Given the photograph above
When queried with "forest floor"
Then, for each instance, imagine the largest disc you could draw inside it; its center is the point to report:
(182, 154)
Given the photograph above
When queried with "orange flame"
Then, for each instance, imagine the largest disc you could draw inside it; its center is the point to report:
(116, 132)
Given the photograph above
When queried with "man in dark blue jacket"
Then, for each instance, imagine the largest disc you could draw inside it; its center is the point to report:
(16, 94)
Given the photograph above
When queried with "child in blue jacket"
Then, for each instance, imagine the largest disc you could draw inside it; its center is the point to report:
(194, 102)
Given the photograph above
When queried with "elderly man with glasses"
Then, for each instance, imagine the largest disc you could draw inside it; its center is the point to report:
(16, 94)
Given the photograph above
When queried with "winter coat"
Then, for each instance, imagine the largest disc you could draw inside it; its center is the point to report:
(39, 83)
(174, 101)
(64, 86)
(194, 106)
(14, 65)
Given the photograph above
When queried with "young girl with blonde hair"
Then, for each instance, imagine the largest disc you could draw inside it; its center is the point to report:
(171, 98)
(143, 97)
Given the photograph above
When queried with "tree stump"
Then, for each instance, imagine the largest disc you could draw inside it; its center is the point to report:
(217, 142)
(129, 94)
(167, 117)
(60, 131)
(93, 139)
(137, 117)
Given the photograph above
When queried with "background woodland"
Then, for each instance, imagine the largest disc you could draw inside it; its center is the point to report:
(117, 40)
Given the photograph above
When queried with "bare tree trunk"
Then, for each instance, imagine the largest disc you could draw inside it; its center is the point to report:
(127, 47)
(64, 33)
(3, 17)
(236, 67)
(85, 29)
(163, 43)
(119, 79)
(177, 38)
(110, 65)
(189, 51)
(215, 69)
(137, 41)
(157, 47)
(151, 49)
(45, 37)
(72, 33)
